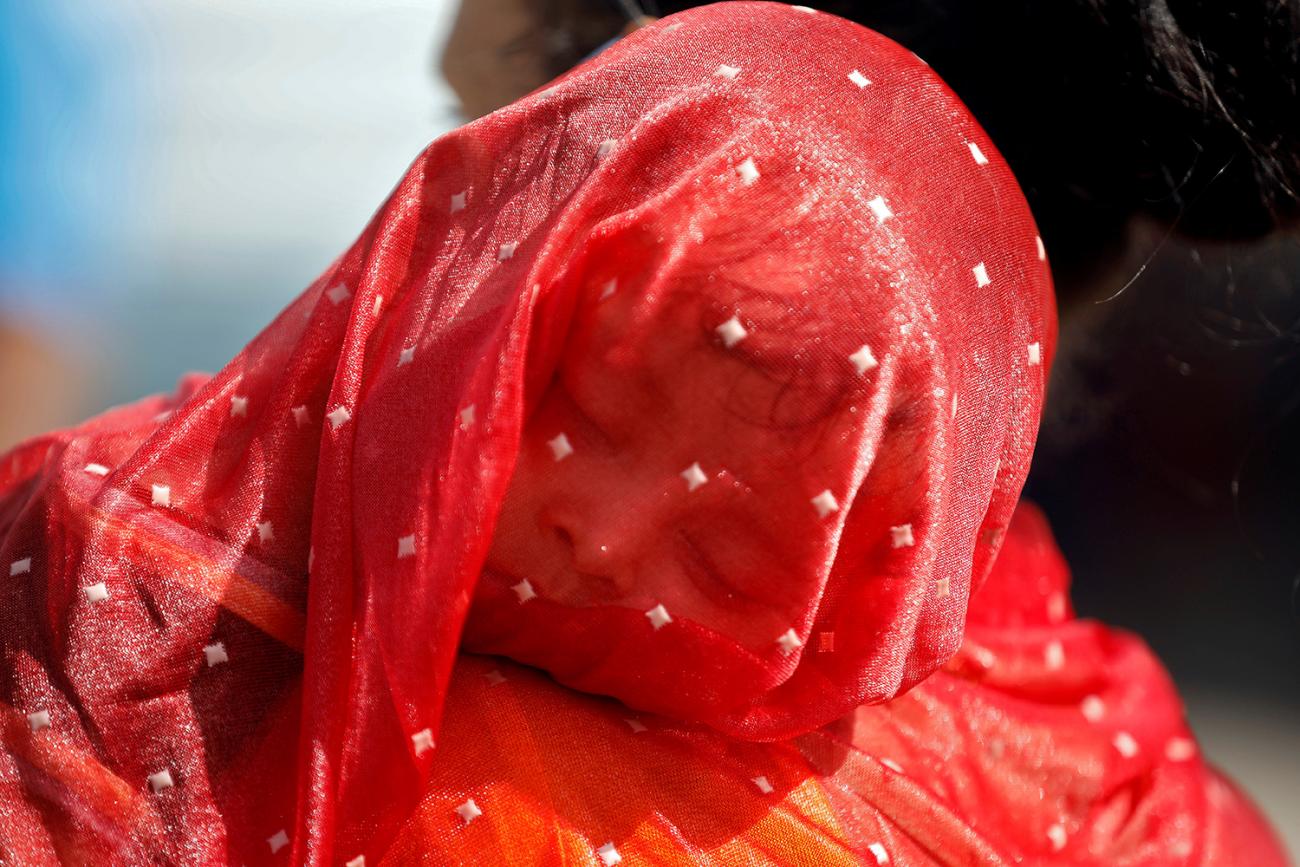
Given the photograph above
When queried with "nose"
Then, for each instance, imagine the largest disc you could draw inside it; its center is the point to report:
(586, 551)
(608, 541)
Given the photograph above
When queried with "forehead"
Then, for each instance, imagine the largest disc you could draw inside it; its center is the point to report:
(636, 317)
(664, 358)
(713, 319)
(664, 344)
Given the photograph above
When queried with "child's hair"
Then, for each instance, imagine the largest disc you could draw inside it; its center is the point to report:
(797, 305)
(793, 351)
(1185, 110)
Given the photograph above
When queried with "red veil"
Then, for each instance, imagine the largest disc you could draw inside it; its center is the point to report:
(233, 615)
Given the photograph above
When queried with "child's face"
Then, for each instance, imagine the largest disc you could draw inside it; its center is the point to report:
(672, 494)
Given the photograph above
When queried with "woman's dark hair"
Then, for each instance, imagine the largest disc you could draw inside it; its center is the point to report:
(1182, 110)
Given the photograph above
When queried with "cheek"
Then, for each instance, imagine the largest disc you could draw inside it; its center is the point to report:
(534, 475)
(516, 531)
(525, 542)
(520, 544)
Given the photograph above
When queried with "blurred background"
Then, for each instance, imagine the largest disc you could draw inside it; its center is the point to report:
(172, 172)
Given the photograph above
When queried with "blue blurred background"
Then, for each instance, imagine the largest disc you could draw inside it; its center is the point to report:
(172, 172)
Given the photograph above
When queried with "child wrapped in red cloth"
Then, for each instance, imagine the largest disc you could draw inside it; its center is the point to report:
(705, 382)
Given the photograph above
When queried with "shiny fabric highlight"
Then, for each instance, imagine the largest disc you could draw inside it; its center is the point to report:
(236, 619)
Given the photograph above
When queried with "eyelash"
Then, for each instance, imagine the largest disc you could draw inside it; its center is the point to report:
(702, 571)
(591, 429)
(718, 589)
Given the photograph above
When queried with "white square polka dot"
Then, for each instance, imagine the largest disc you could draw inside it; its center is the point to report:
(863, 360)
(1180, 749)
(748, 172)
(1057, 836)
(215, 654)
(694, 476)
(560, 446)
(468, 811)
(789, 642)
(1056, 606)
(982, 655)
(880, 209)
(659, 617)
(422, 741)
(1125, 744)
(339, 416)
(858, 78)
(825, 503)
(731, 332)
(277, 841)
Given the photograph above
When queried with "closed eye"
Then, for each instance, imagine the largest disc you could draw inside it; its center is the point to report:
(709, 577)
(591, 429)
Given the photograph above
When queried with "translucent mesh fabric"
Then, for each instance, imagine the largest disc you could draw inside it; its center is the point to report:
(720, 360)
(1009, 755)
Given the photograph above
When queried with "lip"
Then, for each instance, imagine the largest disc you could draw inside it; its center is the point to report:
(574, 590)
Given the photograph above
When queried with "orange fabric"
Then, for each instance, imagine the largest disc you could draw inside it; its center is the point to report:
(558, 774)
(992, 761)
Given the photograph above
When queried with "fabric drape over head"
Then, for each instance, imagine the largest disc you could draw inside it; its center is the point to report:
(237, 610)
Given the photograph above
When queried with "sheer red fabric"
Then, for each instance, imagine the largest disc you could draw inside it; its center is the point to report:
(720, 361)
(1046, 740)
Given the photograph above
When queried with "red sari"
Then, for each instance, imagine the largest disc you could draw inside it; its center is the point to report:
(1013, 753)
(235, 615)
